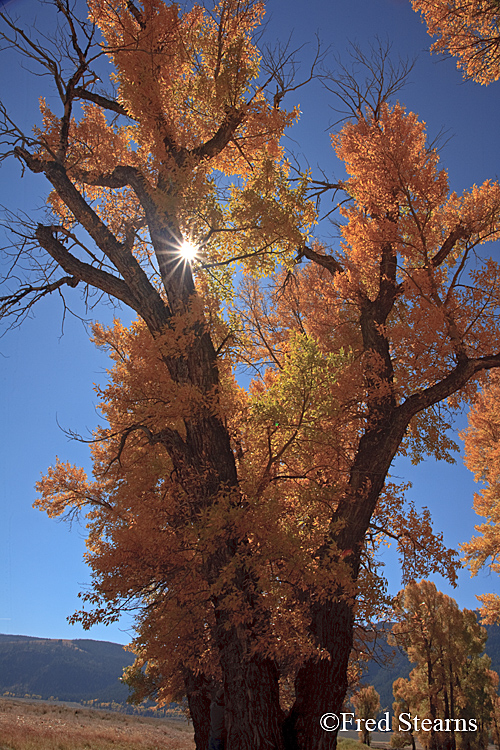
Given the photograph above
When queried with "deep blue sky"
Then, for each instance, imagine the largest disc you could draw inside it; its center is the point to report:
(47, 378)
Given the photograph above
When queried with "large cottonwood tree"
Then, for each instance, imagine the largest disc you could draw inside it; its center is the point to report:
(138, 172)
(276, 496)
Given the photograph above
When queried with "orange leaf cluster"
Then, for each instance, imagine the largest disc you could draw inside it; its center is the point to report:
(452, 677)
(482, 457)
(243, 525)
(468, 30)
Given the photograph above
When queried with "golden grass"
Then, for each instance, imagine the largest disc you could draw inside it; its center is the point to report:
(41, 726)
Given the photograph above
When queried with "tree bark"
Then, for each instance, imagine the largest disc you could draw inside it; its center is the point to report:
(321, 685)
(253, 716)
(199, 698)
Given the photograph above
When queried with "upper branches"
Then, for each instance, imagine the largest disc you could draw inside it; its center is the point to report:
(468, 30)
(279, 64)
(136, 176)
(368, 82)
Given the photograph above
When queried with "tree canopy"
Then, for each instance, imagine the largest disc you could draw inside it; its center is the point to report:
(452, 684)
(367, 704)
(481, 456)
(468, 30)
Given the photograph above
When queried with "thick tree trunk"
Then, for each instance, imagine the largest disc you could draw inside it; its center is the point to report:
(321, 685)
(253, 717)
(205, 463)
(199, 698)
(201, 453)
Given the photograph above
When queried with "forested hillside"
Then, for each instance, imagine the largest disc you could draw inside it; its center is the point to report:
(67, 670)
(83, 670)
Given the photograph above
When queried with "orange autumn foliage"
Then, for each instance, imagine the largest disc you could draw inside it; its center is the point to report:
(185, 147)
(468, 30)
(296, 433)
(482, 450)
(452, 677)
(147, 541)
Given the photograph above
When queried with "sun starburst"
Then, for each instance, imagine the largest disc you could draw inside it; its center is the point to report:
(188, 251)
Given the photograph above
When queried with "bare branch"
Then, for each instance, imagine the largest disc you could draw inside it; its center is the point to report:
(108, 283)
(370, 80)
(281, 65)
(139, 290)
(20, 302)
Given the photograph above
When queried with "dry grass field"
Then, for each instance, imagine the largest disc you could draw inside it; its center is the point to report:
(41, 726)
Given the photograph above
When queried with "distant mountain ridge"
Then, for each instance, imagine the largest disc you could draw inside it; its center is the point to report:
(84, 669)
(77, 670)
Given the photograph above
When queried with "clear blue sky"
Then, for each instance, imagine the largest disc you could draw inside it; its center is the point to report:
(46, 378)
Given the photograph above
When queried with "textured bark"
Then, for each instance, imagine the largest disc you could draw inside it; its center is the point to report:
(206, 464)
(199, 697)
(253, 716)
(321, 685)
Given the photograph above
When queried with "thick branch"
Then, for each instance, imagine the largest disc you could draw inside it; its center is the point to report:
(377, 448)
(167, 437)
(121, 176)
(327, 261)
(101, 101)
(457, 234)
(213, 146)
(79, 270)
(152, 308)
(177, 278)
(136, 13)
(222, 137)
(455, 380)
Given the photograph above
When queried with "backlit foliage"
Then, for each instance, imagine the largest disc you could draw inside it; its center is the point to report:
(147, 539)
(451, 680)
(468, 30)
(482, 454)
(296, 433)
(204, 65)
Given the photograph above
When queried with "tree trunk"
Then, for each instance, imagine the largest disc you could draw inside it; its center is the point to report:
(453, 744)
(206, 465)
(253, 716)
(321, 685)
(447, 739)
(198, 695)
(433, 741)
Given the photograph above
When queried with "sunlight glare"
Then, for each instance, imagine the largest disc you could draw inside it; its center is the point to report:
(188, 251)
